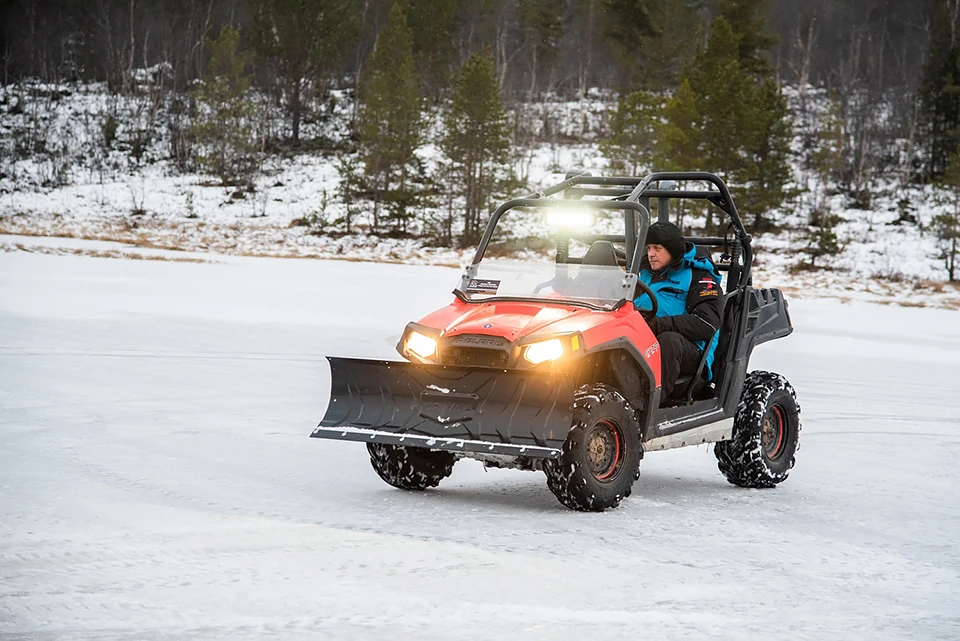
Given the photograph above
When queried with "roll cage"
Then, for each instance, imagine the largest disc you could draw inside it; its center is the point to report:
(633, 196)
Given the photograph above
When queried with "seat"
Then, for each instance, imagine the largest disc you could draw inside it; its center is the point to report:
(695, 386)
(601, 252)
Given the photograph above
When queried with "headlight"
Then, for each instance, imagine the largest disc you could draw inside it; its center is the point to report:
(571, 218)
(422, 346)
(544, 351)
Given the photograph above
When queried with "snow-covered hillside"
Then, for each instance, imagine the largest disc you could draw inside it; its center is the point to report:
(80, 187)
(157, 480)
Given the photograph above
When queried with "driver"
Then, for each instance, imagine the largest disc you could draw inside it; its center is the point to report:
(689, 303)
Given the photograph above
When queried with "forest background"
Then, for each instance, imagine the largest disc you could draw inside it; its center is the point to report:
(427, 113)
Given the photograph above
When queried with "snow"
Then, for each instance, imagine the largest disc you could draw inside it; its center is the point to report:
(157, 480)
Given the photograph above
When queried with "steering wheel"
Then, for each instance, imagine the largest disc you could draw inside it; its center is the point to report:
(555, 283)
(648, 313)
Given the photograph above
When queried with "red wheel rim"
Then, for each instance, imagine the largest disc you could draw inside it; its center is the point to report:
(774, 433)
(605, 450)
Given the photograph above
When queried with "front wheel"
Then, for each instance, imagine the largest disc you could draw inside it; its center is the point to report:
(410, 468)
(601, 456)
(766, 433)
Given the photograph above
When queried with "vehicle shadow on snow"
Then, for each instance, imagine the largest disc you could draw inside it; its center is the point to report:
(514, 496)
(666, 487)
(528, 492)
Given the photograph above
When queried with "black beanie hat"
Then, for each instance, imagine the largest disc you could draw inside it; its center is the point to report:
(668, 235)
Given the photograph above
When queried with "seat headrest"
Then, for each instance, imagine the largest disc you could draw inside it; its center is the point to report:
(601, 252)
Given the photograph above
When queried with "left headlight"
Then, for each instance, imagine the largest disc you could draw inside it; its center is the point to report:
(420, 345)
(543, 351)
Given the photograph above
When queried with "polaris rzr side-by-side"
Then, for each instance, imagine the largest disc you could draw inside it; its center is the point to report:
(546, 364)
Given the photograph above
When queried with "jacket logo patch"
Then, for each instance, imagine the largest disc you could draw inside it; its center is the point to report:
(709, 292)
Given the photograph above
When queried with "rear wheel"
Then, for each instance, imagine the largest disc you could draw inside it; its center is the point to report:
(766, 433)
(410, 468)
(601, 456)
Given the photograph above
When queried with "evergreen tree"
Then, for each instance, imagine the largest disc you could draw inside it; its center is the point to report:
(827, 159)
(680, 27)
(476, 141)
(542, 24)
(679, 143)
(390, 119)
(940, 89)
(822, 239)
(633, 127)
(303, 40)
(629, 21)
(947, 225)
(768, 149)
(431, 27)
(725, 119)
(222, 128)
(652, 38)
(748, 21)
(716, 119)
(725, 92)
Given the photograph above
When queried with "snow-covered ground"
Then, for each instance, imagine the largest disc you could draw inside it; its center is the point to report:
(157, 482)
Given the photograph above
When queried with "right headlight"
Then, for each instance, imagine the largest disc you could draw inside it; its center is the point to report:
(543, 351)
(420, 345)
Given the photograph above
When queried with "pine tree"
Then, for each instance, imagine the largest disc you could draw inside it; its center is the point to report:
(679, 143)
(390, 119)
(717, 89)
(680, 27)
(634, 127)
(433, 51)
(542, 24)
(828, 157)
(822, 239)
(947, 225)
(940, 90)
(725, 96)
(652, 38)
(629, 21)
(724, 118)
(768, 148)
(222, 129)
(303, 40)
(748, 21)
(476, 141)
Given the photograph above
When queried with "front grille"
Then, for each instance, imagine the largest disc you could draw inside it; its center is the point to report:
(475, 357)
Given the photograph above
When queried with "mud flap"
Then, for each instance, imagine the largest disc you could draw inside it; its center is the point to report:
(468, 409)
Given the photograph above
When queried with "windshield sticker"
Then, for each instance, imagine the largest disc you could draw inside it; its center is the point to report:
(483, 286)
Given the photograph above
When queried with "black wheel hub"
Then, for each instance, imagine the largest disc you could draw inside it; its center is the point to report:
(605, 450)
(774, 433)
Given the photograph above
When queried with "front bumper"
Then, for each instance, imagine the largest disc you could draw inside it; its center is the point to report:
(459, 409)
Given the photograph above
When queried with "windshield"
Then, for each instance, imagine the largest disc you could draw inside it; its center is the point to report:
(521, 259)
(600, 286)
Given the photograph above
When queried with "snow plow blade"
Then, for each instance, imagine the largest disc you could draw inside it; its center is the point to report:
(459, 409)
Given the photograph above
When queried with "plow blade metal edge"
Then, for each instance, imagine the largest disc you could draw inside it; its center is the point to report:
(460, 409)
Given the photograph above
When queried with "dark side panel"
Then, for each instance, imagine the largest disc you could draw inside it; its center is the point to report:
(474, 404)
(767, 317)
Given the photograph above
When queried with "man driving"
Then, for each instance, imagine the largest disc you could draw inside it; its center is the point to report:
(689, 303)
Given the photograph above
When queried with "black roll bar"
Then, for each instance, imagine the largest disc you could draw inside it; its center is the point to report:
(545, 203)
(642, 190)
